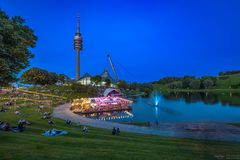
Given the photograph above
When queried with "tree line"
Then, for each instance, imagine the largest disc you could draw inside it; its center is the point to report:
(227, 73)
(37, 76)
(188, 82)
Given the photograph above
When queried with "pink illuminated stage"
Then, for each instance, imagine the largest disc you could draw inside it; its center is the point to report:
(100, 104)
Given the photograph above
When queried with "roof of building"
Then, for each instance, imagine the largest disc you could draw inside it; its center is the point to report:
(105, 75)
(86, 75)
(109, 90)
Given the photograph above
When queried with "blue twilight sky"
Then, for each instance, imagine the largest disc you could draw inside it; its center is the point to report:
(147, 39)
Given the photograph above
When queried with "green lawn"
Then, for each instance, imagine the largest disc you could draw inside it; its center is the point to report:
(98, 143)
(226, 81)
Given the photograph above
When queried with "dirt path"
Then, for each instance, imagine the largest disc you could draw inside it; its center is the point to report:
(208, 131)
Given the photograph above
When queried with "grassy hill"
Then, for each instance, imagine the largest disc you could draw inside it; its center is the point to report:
(98, 143)
(224, 82)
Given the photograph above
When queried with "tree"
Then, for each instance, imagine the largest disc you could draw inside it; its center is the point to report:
(122, 85)
(147, 88)
(107, 82)
(96, 79)
(16, 40)
(63, 78)
(195, 84)
(208, 83)
(229, 73)
(176, 85)
(36, 76)
(53, 78)
(213, 79)
(134, 86)
(5, 73)
(167, 80)
(186, 81)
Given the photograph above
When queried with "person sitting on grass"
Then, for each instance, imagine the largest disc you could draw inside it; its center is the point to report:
(118, 131)
(68, 122)
(25, 122)
(50, 122)
(8, 103)
(46, 115)
(113, 131)
(5, 126)
(85, 129)
(40, 108)
(20, 127)
(17, 113)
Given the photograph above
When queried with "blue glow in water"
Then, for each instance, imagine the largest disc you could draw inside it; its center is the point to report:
(156, 100)
(156, 111)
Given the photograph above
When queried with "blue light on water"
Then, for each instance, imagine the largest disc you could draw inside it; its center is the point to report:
(156, 100)
(156, 111)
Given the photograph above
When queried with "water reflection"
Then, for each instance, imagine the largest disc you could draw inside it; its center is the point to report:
(178, 107)
(111, 116)
(227, 98)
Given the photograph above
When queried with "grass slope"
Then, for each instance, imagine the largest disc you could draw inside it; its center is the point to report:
(98, 143)
(223, 84)
(226, 81)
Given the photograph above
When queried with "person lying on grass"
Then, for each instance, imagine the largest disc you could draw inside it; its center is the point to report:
(7, 127)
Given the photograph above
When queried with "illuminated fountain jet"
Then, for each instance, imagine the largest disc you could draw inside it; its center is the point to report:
(156, 99)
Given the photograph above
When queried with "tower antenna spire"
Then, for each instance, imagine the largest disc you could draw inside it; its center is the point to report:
(78, 24)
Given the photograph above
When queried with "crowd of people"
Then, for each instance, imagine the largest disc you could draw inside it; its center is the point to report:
(20, 126)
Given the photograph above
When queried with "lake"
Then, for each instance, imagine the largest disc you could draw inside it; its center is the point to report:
(181, 107)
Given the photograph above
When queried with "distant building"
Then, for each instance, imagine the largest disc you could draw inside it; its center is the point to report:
(86, 79)
(105, 75)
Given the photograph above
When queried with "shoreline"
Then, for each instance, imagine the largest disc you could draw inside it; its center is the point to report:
(217, 131)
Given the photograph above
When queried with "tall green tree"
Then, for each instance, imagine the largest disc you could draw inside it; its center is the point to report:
(37, 76)
(96, 79)
(16, 40)
(122, 85)
(207, 83)
(195, 84)
(187, 81)
(134, 86)
(107, 82)
(63, 78)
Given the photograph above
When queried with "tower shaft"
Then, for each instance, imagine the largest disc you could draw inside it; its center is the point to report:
(77, 65)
